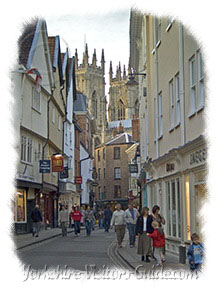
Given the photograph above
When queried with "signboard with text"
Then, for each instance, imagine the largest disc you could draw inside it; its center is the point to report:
(57, 163)
(44, 166)
(78, 179)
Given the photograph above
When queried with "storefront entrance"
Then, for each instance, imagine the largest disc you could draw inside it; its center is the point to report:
(201, 196)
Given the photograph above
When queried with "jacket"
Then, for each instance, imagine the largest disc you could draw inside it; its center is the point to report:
(36, 215)
(118, 218)
(195, 254)
(158, 238)
(89, 216)
(107, 213)
(76, 215)
(139, 225)
(129, 218)
(63, 216)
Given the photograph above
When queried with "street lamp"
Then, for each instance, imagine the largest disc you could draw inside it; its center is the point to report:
(132, 81)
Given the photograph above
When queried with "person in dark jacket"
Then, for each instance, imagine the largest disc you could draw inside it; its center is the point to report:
(195, 253)
(143, 226)
(107, 218)
(36, 218)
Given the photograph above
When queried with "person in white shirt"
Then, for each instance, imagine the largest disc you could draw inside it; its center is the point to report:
(131, 215)
(118, 221)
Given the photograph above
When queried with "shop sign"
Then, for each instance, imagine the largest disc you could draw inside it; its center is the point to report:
(198, 156)
(133, 168)
(57, 163)
(64, 174)
(44, 166)
(78, 179)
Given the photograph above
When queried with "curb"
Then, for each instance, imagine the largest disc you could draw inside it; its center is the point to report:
(41, 240)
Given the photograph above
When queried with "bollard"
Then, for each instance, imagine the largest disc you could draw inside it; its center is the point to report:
(182, 254)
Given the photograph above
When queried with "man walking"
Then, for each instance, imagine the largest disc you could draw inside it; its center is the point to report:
(76, 216)
(107, 218)
(63, 220)
(36, 218)
(131, 215)
(118, 220)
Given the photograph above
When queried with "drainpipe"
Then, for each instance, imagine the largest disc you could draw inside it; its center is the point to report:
(182, 84)
(156, 91)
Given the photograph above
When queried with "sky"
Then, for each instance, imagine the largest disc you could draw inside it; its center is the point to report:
(198, 16)
(108, 31)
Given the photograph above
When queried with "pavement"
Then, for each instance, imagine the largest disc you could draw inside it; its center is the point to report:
(129, 255)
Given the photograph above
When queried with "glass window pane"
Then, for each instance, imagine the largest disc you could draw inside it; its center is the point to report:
(173, 209)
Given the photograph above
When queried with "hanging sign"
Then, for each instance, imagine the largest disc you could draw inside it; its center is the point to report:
(57, 163)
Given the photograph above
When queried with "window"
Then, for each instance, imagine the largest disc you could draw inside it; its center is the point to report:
(98, 155)
(26, 149)
(200, 81)
(121, 110)
(53, 115)
(192, 86)
(36, 99)
(160, 116)
(99, 192)
(104, 153)
(187, 191)
(99, 173)
(87, 125)
(117, 173)
(174, 210)
(155, 118)
(137, 109)
(172, 111)
(20, 206)
(117, 191)
(177, 92)
(104, 173)
(116, 152)
(59, 122)
(70, 139)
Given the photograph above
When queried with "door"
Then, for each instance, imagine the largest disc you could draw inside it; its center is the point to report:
(30, 207)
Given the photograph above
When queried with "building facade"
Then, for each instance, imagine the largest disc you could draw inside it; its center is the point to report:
(173, 148)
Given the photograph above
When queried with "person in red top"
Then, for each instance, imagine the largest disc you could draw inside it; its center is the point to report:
(158, 242)
(76, 216)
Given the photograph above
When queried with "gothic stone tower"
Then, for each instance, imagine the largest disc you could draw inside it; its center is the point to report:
(90, 81)
(123, 104)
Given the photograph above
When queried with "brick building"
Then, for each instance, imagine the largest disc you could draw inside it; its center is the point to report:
(111, 163)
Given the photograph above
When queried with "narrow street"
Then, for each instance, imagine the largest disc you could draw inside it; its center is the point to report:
(75, 252)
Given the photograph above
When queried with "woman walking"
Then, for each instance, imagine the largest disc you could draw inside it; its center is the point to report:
(156, 216)
(76, 216)
(143, 226)
(88, 220)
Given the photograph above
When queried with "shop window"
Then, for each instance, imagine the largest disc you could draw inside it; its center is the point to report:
(174, 208)
(20, 206)
(117, 191)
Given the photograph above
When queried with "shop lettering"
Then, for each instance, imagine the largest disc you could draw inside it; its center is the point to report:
(198, 156)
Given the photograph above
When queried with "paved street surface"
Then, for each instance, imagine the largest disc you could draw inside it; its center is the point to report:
(100, 249)
(75, 252)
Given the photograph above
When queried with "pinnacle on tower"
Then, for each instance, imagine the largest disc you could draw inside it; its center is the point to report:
(76, 59)
(85, 56)
(94, 59)
(124, 73)
(103, 61)
(110, 72)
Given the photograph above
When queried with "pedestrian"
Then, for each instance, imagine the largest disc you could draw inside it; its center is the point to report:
(118, 221)
(131, 215)
(144, 226)
(158, 243)
(36, 218)
(156, 216)
(88, 220)
(100, 218)
(76, 216)
(82, 210)
(195, 253)
(63, 220)
(70, 218)
(107, 218)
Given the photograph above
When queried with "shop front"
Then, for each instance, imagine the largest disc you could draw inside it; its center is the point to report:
(177, 183)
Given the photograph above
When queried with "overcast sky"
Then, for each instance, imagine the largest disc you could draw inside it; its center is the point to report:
(108, 31)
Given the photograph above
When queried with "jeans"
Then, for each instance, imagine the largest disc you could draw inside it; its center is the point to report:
(88, 225)
(132, 230)
(100, 223)
(64, 228)
(107, 224)
(36, 228)
(77, 226)
(158, 253)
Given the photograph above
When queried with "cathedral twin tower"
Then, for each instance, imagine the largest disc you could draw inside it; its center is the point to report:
(90, 81)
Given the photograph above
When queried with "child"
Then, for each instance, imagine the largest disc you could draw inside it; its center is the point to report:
(195, 253)
(158, 242)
